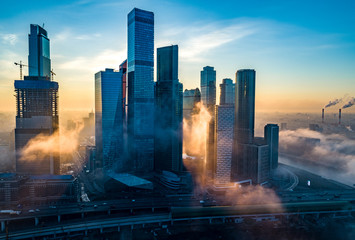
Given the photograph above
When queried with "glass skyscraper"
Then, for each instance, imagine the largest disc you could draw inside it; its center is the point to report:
(108, 120)
(208, 86)
(244, 106)
(37, 108)
(227, 96)
(208, 96)
(168, 112)
(271, 135)
(39, 61)
(141, 89)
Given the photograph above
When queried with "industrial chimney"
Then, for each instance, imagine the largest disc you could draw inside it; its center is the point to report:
(322, 115)
(339, 116)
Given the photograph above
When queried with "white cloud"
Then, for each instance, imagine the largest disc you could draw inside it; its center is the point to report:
(108, 58)
(9, 38)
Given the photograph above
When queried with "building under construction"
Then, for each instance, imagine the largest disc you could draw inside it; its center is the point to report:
(37, 109)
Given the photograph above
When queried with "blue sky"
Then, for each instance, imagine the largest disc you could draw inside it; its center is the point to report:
(303, 51)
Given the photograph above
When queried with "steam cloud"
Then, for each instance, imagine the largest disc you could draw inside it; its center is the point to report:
(333, 156)
(195, 135)
(332, 103)
(350, 103)
(64, 143)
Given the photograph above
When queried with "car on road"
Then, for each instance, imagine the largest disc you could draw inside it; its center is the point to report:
(31, 211)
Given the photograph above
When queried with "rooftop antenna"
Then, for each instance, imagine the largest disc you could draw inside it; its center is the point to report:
(42, 25)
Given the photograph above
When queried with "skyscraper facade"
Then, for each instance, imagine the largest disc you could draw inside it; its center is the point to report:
(271, 135)
(208, 86)
(227, 96)
(141, 89)
(168, 112)
(191, 98)
(244, 106)
(39, 61)
(208, 95)
(223, 143)
(37, 108)
(108, 120)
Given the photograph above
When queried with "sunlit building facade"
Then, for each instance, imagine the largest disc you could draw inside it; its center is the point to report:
(227, 90)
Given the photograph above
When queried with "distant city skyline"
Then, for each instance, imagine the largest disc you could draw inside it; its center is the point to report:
(303, 57)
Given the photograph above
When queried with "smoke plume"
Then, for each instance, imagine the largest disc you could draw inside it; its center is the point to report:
(195, 135)
(331, 155)
(333, 103)
(195, 132)
(64, 143)
(350, 103)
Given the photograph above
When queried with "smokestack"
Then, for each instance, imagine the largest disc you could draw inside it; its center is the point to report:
(322, 115)
(339, 116)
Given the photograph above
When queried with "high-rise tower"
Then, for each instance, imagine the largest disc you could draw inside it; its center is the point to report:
(39, 61)
(271, 135)
(168, 112)
(208, 86)
(208, 95)
(244, 106)
(141, 89)
(109, 120)
(227, 88)
(37, 109)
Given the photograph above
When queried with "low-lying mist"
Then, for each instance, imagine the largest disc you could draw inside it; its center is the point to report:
(330, 155)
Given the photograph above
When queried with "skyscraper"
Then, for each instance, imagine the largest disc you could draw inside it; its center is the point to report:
(208, 86)
(271, 135)
(208, 95)
(191, 98)
(108, 120)
(244, 106)
(227, 88)
(223, 143)
(37, 108)
(141, 89)
(39, 61)
(168, 112)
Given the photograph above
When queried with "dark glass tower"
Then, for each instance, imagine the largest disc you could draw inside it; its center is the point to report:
(109, 120)
(37, 109)
(244, 106)
(39, 55)
(141, 89)
(271, 135)
(168, 112)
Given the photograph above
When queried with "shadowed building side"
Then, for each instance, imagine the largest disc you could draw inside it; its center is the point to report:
(168, 112)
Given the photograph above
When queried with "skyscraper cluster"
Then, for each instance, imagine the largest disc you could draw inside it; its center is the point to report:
(233, 153)
(139, 121)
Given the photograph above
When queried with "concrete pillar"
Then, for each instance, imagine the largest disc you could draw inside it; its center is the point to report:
(101, 230)
(152, 209)
(210, 220)
(36, 221)
(2, 226)
(59, 218)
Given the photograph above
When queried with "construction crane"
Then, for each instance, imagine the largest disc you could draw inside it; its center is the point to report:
(53, 73)
(21, 65)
